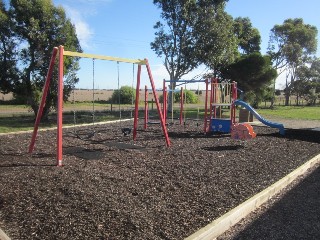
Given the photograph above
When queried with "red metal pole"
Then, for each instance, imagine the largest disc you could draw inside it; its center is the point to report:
(60, 108)
(163, 125)
(234, 97)
(43, 99)
(215, 97)
(206, 108)
(136, 106)
(145, 106)
(212, 95)
(181, 106)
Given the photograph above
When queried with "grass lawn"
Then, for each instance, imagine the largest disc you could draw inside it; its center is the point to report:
(292, 112)
(13, 122)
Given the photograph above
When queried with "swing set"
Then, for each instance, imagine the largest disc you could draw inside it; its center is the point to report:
(60, 52)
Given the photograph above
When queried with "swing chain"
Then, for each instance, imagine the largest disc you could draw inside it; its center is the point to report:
(93, 107)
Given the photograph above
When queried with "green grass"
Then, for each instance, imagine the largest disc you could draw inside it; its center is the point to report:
(292, 112)
(19, 123)
(23, 122)
(13, 122)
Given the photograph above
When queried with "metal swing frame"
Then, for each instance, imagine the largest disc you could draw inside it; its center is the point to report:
(61, 53)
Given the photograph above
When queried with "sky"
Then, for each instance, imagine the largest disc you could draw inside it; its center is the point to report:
(124, 28)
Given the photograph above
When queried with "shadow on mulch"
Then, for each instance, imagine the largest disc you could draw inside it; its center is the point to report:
(294, 216)
(84, 153)
(306, 135)
(191, 134)
(122, 145)
(15, 165)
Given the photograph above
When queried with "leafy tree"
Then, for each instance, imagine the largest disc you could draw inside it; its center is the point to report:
(127, 94)
(291, 45)
(193, 32)
(40, 26)
(277, 92)
(249, 38)
(307, 84)
(315, 74)
(214, 34)
(8, 52)
(252, 73)
(174, 39)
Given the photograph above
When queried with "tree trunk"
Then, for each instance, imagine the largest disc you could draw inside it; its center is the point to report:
(287, 93)
(273, 94)
(172, 87)
(287, 98)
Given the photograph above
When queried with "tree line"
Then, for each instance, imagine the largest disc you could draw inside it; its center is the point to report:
(29, 32)
(189, 34)
(200, 32)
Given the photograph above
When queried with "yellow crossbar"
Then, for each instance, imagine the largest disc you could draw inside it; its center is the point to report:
(116, 59)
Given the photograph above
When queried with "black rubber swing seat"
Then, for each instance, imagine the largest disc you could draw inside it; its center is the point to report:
(126, 131)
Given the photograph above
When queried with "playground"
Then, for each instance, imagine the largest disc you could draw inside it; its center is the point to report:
(112, 187)
(142, 178)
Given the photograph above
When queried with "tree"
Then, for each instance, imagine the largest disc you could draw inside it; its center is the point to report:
(194, 32)
(127, 94)
(291, 45)
(307, 84)
(8, 52)
(215, 38)
(315, 75)
(252, 73)
(249, 38)
(40, 26)
(175, 39)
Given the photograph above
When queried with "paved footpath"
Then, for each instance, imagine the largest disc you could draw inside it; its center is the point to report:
(295, 124)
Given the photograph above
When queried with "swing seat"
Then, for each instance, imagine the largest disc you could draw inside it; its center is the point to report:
(126, 131)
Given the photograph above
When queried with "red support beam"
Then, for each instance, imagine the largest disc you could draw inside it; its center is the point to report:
(163, 125)
(136, 106)
(206, 108)
(212, 97)
(43, 99)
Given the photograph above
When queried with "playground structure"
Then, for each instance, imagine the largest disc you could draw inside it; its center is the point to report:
(166, 92)
(225, 95)
(61, 53)
(220, 97)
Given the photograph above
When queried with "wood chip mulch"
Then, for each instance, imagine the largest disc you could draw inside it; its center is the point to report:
(113, 188)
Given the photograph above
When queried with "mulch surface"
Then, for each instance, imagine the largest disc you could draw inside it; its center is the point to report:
(113, 188)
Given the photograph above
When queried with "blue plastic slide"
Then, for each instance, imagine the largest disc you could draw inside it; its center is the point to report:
(258, 116)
